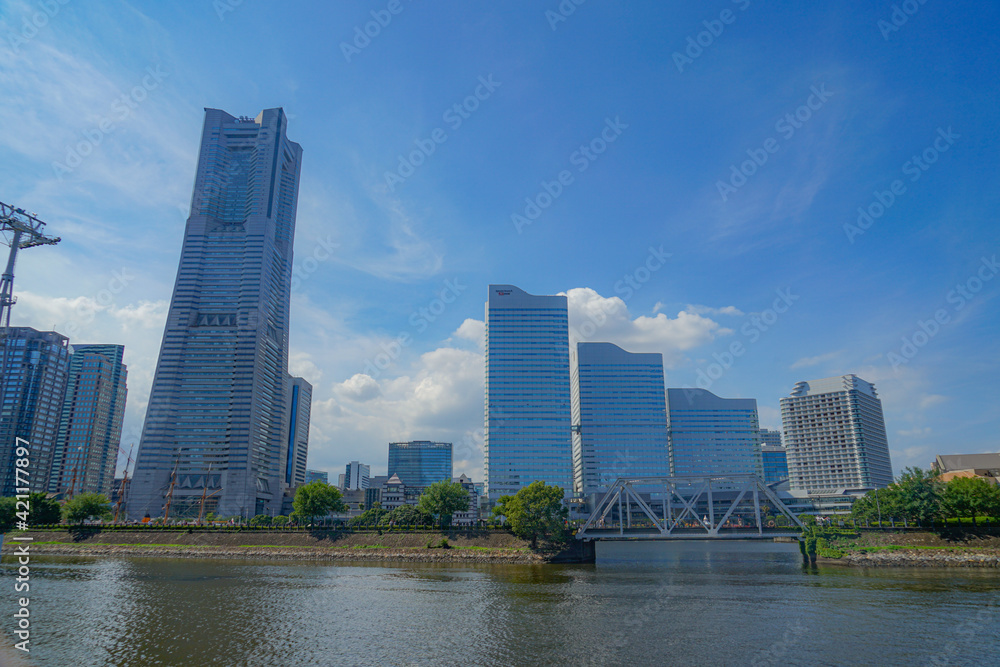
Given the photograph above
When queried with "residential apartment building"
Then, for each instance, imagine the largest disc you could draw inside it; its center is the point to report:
(834, 432)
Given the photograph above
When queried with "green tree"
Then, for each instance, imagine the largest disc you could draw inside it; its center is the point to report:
(87, 506)
(43, 510)
(261, 520)
(442, 499)
(317, 499)
(919, 495)
(970, 496)
(369, 517)
(535, 511)
(280, 520)
(8, 518)
(407, 515)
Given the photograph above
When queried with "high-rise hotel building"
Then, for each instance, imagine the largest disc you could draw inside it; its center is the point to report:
(528, 413)
(619, 416)
(710, 435)
(217, 421)
(834, 433)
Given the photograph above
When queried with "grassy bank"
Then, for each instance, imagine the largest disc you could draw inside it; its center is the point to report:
(411, 545)
(947, 548)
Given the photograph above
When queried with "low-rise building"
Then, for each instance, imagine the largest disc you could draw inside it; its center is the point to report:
(471, 516)
(950, 466)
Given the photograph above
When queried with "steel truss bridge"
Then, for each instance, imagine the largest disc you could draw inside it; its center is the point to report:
(690, 507)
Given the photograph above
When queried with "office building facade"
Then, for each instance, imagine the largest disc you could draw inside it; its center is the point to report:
(217, 420)
(775, 460)
(834, 432)
(709, 435)
(528, 413)
(90, 425)
(317, 475)
(619, 416)
(299, 414)
(770, 438)
(357, 476)
(34, 370)
(420, 463)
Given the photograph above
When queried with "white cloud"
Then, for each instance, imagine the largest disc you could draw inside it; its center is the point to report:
(807, 362)
(358, 388)
(473, 330)
(707, 310)
(595, 318)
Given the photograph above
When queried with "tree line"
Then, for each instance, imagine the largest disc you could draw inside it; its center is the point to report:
(920, 496)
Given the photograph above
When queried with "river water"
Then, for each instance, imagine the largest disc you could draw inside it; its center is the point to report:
(650, 604)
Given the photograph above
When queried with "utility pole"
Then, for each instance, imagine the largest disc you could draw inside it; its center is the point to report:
(879, 507)
(25, 231)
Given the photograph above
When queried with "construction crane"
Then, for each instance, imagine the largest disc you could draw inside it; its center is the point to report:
(124, 487)
(19, 230)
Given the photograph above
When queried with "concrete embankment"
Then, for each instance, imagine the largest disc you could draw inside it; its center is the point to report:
(919, 549)
(916, 558)
(411, 546)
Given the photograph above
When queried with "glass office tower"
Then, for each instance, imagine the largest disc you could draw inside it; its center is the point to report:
(217, 420)
(420, 463)
(90, 428)
(619, 416)
(528, 413)
(710, 435)
(299, 413)
(34, 368)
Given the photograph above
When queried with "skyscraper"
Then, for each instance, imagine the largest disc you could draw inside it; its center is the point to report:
(835, 436)
(299, 413)
(217, 410)
(619, 416)
(357, 476)
(528, 413)
(710, 435)
(34, 368)
(90, 426)
(420, 463)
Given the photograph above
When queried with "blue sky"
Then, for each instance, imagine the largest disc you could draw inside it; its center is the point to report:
(635, 116)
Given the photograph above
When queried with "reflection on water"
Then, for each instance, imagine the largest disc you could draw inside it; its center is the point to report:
(684, 604)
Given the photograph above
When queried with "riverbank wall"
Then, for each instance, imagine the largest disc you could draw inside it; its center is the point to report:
(412, 545)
